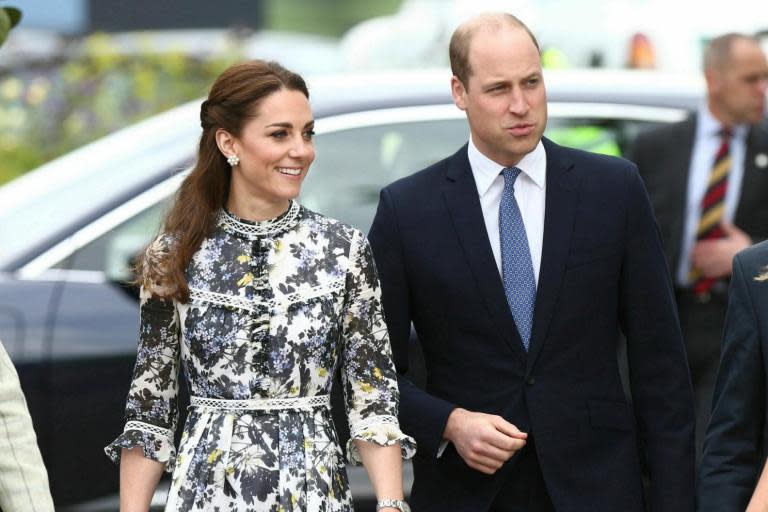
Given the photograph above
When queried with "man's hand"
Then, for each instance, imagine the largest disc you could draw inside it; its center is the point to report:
(484, 441)
(715, 257)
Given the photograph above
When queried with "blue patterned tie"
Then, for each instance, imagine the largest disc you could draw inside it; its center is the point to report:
(516, 266)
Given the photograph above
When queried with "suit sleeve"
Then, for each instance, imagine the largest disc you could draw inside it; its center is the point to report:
(23, 478)
(731, 462)
(421, 415)
(659, 375)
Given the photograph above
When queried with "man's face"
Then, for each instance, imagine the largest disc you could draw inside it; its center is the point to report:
(505, 99)
(738, 89)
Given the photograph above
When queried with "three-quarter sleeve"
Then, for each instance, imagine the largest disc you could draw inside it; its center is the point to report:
(368, 374)
(151, 410)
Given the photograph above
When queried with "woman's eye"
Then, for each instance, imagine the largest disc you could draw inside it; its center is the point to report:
(309, 134)
(279, 134)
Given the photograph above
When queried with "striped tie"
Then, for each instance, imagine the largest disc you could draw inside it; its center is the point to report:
(712, 209)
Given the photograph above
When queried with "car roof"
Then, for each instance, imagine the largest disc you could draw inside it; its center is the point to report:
(148, 152)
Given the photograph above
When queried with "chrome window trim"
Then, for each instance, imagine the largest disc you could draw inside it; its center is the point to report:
(70, 275)
(41, 267)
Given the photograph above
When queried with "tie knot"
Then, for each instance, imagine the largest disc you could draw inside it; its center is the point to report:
(725, 132)
(510, 175)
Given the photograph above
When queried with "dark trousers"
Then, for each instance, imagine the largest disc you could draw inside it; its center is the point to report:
(524, 490)
(702, 324)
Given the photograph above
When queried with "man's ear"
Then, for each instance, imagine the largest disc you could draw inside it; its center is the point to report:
(459, 93)
(226, 142)
(714, 79)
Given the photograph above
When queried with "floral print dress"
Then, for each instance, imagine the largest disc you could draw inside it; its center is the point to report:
(275, 308)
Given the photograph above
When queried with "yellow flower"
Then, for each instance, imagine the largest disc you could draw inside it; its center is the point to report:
(322, 372)
(278, 245)
(367, 388)
(215, 454)
(307, 444)
(11, 88)
(243, 258)
(246, 280)
(144, 83)
(38, 91)
(377, 373)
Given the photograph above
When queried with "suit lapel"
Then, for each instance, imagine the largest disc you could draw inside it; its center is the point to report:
(755, 179)
(559, 214)
(463, 202)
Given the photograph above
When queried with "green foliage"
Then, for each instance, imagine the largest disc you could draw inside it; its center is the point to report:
(325, 17)
(53, 108)
(9, 18)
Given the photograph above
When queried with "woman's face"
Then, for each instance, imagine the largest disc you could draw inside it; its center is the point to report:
(276, 149)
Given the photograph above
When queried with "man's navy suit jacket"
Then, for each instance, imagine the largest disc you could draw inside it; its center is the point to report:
(602, 271)
(736, 445)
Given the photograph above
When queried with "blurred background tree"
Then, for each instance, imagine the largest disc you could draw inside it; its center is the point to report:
(105, 72)
(52, 107)
(326, 17)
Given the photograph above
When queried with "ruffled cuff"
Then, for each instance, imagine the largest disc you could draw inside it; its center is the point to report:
(156, 442)
(381, 430)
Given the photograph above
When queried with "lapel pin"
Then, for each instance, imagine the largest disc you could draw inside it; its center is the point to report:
(761, 160)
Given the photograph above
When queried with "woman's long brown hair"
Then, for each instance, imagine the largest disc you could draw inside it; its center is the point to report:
(234, 98)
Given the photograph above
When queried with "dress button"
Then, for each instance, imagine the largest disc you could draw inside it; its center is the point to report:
(531, 381)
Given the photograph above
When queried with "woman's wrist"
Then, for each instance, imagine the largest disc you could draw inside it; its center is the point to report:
(392, 505)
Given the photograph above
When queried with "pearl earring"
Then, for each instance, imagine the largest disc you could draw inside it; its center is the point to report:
(233, 160)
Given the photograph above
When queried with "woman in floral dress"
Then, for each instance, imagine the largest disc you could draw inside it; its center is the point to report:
(260, 301)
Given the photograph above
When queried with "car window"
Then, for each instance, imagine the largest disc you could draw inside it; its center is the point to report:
(352, 166)
(114, 252)
(42, 205)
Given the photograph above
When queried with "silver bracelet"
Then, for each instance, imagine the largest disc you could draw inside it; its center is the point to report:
(400, 505)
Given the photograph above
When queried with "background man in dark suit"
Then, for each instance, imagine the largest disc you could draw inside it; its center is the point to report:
(711, 206)
(735, 447)
(518, 262)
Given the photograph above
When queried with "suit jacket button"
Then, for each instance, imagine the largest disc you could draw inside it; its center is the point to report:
(531, 381)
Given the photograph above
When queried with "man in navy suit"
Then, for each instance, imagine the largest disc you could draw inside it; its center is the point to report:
(518, 262)
(735, 449)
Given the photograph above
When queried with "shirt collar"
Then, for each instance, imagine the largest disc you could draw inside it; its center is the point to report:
(709, 126)
(485, 170)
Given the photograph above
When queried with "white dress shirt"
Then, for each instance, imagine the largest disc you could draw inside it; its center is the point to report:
(530, 193)
(705, 145)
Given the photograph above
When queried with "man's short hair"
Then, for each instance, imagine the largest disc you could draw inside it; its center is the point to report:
(458, 50)
(718, 52)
